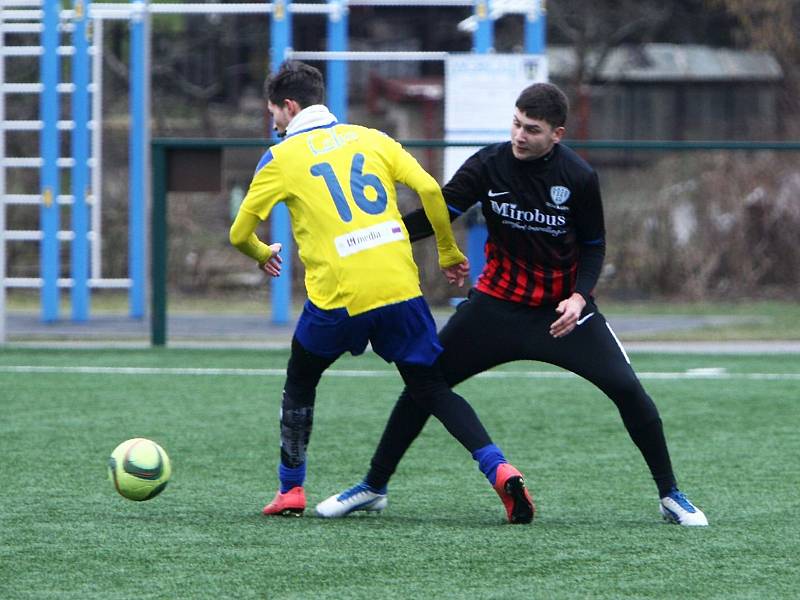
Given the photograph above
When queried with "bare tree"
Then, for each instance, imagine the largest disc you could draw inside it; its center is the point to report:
(772, 25)
(594, 31)
(196, 62)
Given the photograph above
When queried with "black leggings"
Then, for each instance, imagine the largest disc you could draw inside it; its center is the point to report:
(426, 390)
(485, 332)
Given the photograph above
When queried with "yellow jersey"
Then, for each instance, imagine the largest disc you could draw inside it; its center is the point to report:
(338, 184)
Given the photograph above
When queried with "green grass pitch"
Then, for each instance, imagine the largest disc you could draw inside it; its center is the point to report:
(732, 423)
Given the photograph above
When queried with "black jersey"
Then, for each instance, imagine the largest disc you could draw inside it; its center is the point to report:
(543, 217)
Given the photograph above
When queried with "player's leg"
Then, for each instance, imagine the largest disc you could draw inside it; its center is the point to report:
(414, 348)
(594, 352)
(429, 393)
(473, 341)
(427, 388)
(481, 334)
(296, 420)
(320, 338)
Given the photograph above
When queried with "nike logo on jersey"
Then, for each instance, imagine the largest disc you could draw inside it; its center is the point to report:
(494, 194)
(583, 319)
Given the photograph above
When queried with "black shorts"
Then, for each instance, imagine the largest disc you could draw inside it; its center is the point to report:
(485, 332)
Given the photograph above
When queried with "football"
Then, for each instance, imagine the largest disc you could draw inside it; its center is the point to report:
(139, 469)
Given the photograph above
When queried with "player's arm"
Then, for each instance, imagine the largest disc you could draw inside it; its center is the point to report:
(590, 226)
(460, 193)
(435, 210)
(265, 191)
(591, 237)
(243, 237)
(418, 225)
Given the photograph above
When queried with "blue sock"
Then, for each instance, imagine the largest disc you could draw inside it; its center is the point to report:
(291, 476)
(489, 458)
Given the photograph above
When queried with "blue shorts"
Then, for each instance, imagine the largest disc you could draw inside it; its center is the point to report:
(404, 332)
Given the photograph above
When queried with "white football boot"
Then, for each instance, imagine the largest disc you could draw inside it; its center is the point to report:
(676, 508)
(358, 497)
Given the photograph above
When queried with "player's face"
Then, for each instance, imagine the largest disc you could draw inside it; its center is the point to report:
(532, 138)
(281, 115)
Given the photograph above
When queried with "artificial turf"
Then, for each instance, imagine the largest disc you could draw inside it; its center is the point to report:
(732, 428)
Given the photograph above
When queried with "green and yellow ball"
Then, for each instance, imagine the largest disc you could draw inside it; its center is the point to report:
(139, 469)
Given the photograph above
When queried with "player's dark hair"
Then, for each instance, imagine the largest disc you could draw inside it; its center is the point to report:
(545, 102)
(295, 81)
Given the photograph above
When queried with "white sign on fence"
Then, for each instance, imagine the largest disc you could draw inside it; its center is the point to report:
(480, 91)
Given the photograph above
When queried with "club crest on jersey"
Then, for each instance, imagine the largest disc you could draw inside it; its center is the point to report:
(559, 194)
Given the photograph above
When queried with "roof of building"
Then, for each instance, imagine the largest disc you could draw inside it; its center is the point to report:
(672, 62)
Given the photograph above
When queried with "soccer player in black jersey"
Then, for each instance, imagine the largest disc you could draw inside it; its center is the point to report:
(533, 300)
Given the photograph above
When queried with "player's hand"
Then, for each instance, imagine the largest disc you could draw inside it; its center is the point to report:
(457, 273)
(272, 266)
(570, 311)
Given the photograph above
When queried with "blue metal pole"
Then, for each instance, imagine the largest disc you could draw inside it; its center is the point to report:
(280, 32)
(280, 228)
(337, 69)
(483, 38)
(49, 149)
(536, 29)
(136, 160)
(79, 256)
(483, 43)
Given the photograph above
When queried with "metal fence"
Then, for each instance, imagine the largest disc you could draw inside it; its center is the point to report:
(693, 220)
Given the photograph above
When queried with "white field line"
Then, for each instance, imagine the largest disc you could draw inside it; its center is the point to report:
(695, 374)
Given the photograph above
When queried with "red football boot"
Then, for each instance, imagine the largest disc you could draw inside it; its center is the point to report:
(510, 486)
(290, 504)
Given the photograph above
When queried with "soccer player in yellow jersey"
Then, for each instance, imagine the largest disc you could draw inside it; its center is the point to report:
(337, 181)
